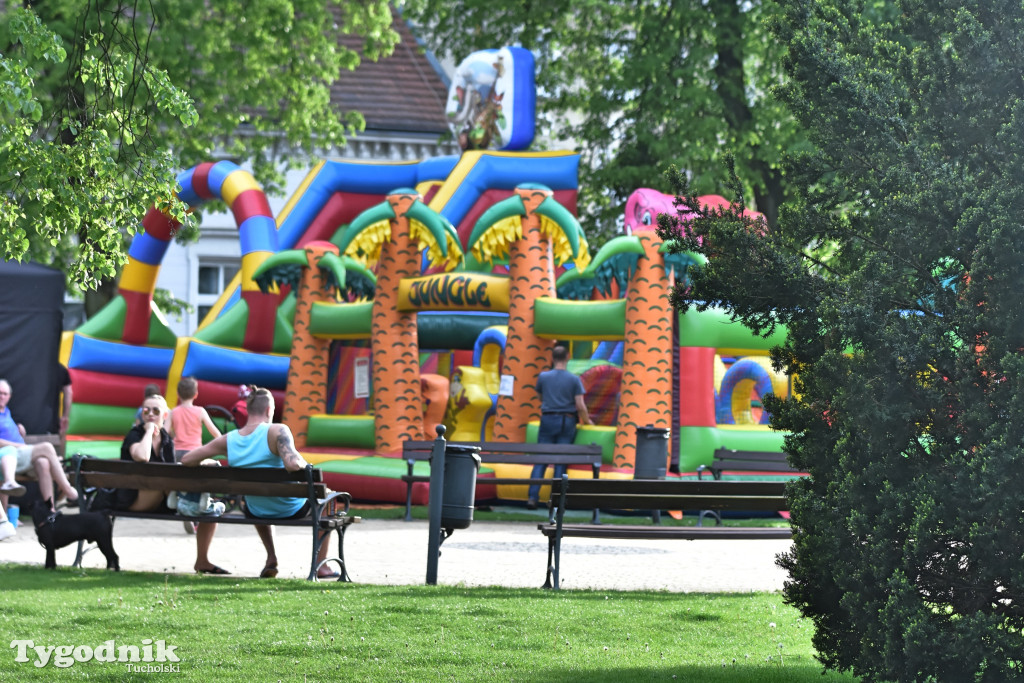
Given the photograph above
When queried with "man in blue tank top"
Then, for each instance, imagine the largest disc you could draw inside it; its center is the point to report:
(262, 443)
(561, 406)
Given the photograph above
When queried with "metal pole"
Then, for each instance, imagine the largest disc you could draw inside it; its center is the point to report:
(436, 495)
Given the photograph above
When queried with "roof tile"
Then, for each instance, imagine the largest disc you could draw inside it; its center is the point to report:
(402, 92)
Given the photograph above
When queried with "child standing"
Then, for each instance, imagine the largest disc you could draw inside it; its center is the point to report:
(187, 420)
(186, 428)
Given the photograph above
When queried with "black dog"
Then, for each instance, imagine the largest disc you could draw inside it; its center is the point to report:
(56, 530)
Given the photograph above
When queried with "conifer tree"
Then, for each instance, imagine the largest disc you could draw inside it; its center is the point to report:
(907, 342)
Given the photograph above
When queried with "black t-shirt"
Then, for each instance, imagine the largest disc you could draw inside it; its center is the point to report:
(123, 498)
(166, 453)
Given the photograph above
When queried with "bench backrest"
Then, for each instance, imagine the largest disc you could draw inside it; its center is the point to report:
(248, 481)
(515, 453)
(764, 461)
(669, 494)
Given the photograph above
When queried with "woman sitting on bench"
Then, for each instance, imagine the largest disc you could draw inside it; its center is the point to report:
(148, 441)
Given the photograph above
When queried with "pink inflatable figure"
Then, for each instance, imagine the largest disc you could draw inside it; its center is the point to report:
(644, 205)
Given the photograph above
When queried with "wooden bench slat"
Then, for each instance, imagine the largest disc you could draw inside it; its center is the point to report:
(416, 448)
(727, 459)
(752, 466)
(612, 501)
(730, 453)
(225, 473)
(203, 485)
(685, 487)
(497, 481)
(618, 531)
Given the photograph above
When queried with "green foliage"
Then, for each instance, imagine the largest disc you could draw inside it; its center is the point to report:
(103, 102)
(641, 85)
(170, 304)
(907, 342)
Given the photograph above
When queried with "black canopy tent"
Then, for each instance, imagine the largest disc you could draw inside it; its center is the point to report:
(31, 316)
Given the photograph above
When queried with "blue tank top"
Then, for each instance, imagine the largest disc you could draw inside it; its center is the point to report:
(253, 450)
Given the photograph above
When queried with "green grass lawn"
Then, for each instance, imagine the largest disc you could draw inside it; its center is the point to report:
(288, 630)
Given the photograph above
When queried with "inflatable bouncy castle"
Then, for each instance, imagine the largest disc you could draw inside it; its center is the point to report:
(387, 298)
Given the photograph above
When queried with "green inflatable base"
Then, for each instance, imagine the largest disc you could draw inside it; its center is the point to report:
(106, 450)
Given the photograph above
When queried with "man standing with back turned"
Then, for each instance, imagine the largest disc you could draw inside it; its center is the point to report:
(561, 407)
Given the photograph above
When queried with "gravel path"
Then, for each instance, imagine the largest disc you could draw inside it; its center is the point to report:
(509, 554)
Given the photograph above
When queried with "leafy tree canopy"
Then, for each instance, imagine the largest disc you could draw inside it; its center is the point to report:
(908, 344)
(103, 102)
(641, 85)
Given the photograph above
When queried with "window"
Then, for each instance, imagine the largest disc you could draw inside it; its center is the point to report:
(214, 278)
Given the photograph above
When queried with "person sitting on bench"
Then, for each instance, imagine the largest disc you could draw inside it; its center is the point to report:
(8, 461)
(262, 443)
(40, 457)
(148, 441)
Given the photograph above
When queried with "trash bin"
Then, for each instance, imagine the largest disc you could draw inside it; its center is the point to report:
(461, 464)
(651, 452)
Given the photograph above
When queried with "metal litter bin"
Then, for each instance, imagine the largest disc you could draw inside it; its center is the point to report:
(651, 452)
(461, 464)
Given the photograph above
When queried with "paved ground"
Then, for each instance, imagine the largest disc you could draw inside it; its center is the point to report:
(488, 553)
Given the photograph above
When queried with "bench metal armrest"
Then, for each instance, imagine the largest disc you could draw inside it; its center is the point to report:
(336, 504)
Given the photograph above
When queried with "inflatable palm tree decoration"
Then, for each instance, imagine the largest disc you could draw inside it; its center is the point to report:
(314, 273)
(531, 228)
(638, 267)
(391, 236)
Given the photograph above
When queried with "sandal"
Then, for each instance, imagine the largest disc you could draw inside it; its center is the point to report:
(213, 570)
(269, 572)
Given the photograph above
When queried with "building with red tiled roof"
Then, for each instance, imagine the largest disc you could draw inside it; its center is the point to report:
(402, 99)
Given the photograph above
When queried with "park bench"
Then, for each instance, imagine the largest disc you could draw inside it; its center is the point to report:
(732, 460)
(328, 510)
(653, 494)
(492, 452)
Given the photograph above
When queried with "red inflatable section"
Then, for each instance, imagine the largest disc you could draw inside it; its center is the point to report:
(696, 386)
(226, 395)
(102, 388)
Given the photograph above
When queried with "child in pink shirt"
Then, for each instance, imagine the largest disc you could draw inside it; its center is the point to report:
(187, 420)
(186, 427)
